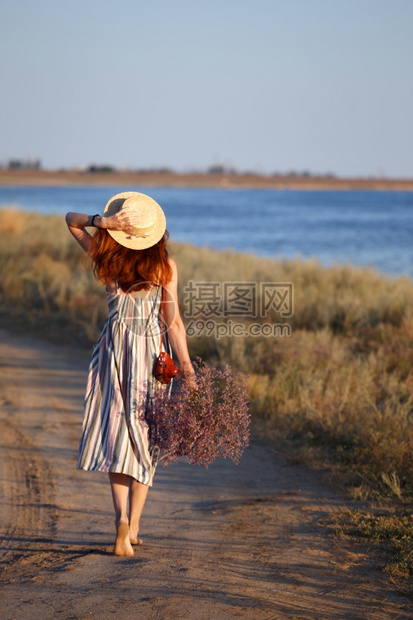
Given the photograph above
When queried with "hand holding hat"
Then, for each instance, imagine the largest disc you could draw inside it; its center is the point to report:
(134, 220)
(126, 219)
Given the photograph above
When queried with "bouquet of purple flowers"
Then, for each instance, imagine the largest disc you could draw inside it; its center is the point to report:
(205, 422)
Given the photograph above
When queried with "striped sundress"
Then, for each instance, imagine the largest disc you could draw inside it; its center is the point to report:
(116, 436)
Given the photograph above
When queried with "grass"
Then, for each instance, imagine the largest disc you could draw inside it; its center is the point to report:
(391, 529)
(339, 391)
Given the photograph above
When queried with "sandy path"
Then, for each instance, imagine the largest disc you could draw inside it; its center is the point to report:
(227, 542)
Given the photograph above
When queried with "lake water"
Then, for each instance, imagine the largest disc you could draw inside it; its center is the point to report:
(358, 227)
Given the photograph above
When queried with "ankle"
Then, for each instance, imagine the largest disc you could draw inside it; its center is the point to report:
(134, 527)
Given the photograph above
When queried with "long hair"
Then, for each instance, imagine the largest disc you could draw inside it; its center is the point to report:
(133, 269)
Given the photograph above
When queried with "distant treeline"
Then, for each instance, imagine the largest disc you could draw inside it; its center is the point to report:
(217, 169)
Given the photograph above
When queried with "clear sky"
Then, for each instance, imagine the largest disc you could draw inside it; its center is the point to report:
(269, 85)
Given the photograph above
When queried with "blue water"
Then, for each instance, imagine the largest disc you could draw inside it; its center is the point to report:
(358, 227)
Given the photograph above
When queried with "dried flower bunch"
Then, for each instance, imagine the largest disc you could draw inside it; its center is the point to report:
(204, 423)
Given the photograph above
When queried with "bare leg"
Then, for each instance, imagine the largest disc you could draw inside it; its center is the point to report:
(137, 497)
(120, 484)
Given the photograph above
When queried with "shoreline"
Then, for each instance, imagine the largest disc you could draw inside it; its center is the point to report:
(199, 180)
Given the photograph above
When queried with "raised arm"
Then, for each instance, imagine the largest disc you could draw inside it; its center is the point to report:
(125, 219)
(77, 222)
(175, 325)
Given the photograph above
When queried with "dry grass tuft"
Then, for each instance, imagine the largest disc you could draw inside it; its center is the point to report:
(390, 528)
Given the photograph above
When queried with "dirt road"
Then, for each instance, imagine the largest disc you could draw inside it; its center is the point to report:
(242, 541)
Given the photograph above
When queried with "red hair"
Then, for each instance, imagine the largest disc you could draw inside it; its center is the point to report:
(132, 269)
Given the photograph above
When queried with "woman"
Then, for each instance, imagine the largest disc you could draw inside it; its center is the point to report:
(129, 255)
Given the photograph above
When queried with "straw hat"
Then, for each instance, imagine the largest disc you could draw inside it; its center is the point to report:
(151, 215)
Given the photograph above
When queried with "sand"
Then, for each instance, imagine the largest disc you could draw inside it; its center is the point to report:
(246, 541)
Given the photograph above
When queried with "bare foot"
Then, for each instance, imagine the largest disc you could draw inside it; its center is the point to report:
(134, 540)
(122, 543)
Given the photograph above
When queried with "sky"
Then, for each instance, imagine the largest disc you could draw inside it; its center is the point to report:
(323, 86)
